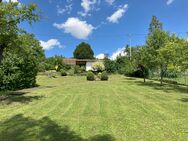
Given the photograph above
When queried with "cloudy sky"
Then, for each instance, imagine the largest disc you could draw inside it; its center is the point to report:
(104, 24)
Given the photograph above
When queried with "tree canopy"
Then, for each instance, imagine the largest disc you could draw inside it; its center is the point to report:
(12, 14)
(83, 51)
(20, 52)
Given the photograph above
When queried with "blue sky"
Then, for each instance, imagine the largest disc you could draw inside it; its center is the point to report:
(104, 24)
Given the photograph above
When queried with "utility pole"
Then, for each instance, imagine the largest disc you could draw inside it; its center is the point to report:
(130, 44)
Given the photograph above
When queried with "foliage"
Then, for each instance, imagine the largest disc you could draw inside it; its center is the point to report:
(90, 76)
(55, 62)
(125, 66)
(20, 64)
(157, 39)
(155, 24)
(70, 72)
(83, 51)
(99, 75)
(76, 70)
(110, 65)
(20, 53)
(11, 15)
(63, 72)
(120, 64)
(98, 66)
(104, 76)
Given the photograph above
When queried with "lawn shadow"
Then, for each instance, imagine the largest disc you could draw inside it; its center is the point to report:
(184, 99)
(20, 128)
(130, 78)
(18, 96)
(168, 88)
(40, 87)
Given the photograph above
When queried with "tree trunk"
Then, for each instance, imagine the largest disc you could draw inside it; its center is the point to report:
(144, 75)
(161, 79)
(162, 72)
(144, 79)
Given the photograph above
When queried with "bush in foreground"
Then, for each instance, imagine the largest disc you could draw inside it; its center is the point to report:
(90, 76)
(104, 76)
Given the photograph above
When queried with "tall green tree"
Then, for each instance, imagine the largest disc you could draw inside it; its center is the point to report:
(157, 38)
(20, 52)
(155, 24)
(143, 59)
(20, 63)
(12, 14)
(83, 51)
(110, 65)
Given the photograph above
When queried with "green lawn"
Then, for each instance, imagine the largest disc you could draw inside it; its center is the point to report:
(72, 109)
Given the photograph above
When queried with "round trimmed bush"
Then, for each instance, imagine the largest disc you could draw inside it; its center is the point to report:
(104, 76)
(99, 75)
(63, 73)
(90, 76)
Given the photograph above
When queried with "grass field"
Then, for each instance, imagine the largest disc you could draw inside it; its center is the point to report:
(72, 109)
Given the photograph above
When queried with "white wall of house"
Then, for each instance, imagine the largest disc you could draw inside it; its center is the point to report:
(89, 66)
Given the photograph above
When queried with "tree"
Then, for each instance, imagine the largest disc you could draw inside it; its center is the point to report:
(12, 14)
(143, 59)
(83, 51)
(20, 63)
(125, 66)
(155, 24)
(55, 61)
(20, 53)
(110, 65)
(157, 38)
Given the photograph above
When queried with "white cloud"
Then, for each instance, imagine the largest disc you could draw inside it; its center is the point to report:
(119, 52)
(67, 9)
(169, 2)
(118, 14)
(11, 1)
(88, 5)
(110, 1)
(101, 56)
(77, 28)
(50, 44)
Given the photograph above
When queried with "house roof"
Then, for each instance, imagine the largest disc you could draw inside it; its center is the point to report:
(74, 61)
(69, 61)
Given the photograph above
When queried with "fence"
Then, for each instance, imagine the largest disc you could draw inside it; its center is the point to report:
(174, 78)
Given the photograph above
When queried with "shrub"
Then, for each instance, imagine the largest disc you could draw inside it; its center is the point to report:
(82, 69)
(104, 76)
(70, 72)
(98, 66)
(63, 72)
(99, 75)
(18, 71)
(90, 76)
(76, 70)
(110, 65)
